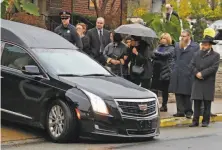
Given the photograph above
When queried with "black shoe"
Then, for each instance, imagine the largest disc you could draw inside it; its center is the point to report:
(194, 125)
(213, 115)
(179, 115)
(163, 109)
(188, 115)
(204, 124)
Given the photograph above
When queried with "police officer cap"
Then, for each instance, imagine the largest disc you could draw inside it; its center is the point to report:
(65, 13)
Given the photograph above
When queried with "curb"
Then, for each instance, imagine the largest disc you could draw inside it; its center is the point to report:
(21, 142)
(182, 121)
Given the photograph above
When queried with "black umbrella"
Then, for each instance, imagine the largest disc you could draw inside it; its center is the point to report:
(137, 30)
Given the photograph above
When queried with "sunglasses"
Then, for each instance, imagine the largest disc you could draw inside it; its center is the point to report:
(64, 18)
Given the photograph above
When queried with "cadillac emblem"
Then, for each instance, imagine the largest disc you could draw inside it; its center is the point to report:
(143, 107)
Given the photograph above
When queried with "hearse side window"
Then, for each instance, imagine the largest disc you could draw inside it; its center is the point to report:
(15, 57)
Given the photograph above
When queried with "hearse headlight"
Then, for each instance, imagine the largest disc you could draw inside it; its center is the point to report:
(98, 104)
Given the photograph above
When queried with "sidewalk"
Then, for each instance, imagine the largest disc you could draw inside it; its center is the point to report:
(167, 119)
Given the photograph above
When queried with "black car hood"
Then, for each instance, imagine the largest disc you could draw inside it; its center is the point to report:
(108, 87)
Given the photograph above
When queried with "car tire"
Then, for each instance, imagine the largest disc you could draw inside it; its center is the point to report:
(61, 122)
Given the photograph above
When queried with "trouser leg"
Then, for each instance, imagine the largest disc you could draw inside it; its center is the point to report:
(136, 81)
(207, 111)
(179, 103)
(196, 116)
(165, 93)
(188, 104)
(202, 108)
(146, 83)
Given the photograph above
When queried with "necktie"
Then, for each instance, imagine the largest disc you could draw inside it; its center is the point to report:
(101, 41)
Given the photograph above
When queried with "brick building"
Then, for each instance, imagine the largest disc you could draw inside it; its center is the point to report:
(84, 7)
(51, 8)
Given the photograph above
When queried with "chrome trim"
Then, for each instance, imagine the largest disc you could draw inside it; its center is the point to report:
(127, 136)
(140, 118)
(127, 131)
(136, 100)
(103, 130)
(15, 113)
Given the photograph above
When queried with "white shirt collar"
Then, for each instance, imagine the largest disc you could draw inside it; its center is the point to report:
(187, 45)
(100, 30)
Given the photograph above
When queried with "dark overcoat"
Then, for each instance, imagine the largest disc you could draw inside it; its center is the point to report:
(162, 67)
(207, 64)
(142, 59)
(181, 78)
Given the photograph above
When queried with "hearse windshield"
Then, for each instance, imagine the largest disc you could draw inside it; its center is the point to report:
(67, 62)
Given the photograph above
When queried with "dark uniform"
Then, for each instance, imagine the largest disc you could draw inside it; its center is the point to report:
(69, 32)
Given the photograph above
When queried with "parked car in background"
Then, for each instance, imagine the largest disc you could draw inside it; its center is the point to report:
(217, 26)
(218, 40)
(46, 82)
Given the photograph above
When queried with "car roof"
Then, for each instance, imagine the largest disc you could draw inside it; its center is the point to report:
(29, 36)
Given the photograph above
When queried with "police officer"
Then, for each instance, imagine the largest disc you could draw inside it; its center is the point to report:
(68, 31)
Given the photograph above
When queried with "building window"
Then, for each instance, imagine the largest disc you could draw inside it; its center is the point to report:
(91, 4)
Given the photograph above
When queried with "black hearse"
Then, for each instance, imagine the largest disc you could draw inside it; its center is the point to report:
(48, 83)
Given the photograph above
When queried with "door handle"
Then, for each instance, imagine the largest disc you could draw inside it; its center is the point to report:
(2, 77)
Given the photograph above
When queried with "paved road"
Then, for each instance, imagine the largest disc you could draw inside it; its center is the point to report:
(170, 139)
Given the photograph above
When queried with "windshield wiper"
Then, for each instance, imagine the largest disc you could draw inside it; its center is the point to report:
(97, 74)
(70, 75)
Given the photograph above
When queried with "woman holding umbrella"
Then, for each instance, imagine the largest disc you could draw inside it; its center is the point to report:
(141, 66)
(141, 69)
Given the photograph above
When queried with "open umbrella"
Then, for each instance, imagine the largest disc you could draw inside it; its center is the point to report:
(137, 30)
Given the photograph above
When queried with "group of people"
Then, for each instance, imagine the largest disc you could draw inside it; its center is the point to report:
(185, 68)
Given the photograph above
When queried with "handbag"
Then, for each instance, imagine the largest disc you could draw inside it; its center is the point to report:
(137, 69)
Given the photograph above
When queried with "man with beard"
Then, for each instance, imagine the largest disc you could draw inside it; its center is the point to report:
(181, 79)
(204, 66)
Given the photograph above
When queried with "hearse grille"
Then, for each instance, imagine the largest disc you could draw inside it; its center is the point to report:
(137, 108)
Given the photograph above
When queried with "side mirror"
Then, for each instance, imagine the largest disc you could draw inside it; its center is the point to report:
(31, 70)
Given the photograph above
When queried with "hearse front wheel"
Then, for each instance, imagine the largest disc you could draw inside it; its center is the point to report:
(61, 122)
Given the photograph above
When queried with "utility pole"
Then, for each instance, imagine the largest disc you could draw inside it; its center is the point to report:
(121, 12)
(72, 9)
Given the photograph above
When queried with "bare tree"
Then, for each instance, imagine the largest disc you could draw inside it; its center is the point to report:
(109, 10)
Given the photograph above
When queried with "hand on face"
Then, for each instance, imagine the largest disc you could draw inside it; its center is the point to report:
(79, 30)
(134, 50)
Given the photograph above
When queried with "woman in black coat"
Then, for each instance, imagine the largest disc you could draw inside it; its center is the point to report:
(162, 66)
(141, 69)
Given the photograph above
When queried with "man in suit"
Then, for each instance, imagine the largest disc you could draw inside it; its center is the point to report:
(204, 66)
(99, 38)
(181, 79)
(170, 12)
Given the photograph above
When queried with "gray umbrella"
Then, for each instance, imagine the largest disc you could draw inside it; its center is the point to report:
(137, 30)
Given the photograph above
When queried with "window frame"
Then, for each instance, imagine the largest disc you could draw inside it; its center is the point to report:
(44, 74)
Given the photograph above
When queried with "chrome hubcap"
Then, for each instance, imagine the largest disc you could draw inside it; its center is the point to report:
(56, 121)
